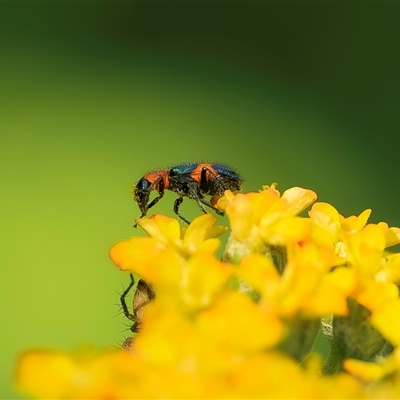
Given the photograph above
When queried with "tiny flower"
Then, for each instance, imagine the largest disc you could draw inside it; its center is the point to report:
(353, 223)
(261, 220)
(308, 285)
(364, 250)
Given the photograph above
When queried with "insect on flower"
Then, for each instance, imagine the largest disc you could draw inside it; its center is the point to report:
(194, 181)
(143, 295)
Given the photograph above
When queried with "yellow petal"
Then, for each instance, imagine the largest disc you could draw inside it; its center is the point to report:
(202, 279)
(45, 374)
(260, 273)
(161, 228)
(298, 199)
(387, 321)
(391, 271)
(270, 375)
(375, 295)
(152, 260)
(367, 371)
(267, 203)
(326, 217)
(393, 237)
(163, 334)
(201, 229)
(209, 246)
(127, 254)
(364, 249)
(353, 223)
(236, 321)
(330, 296)
(59, 375)
(240, 213)
(285, 231)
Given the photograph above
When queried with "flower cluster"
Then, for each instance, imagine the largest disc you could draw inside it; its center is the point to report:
(246, 326)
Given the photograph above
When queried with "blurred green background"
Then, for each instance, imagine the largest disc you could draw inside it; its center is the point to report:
(93, 95)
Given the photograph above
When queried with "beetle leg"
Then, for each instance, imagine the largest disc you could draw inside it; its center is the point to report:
(217, 210)
(204, 180)
(177, 204)
(160, 193)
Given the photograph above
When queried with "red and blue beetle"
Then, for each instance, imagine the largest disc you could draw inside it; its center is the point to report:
(192, 180)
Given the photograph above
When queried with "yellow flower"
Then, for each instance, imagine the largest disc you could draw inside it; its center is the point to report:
(58, 374)
(309, 286)
(165, 233)
(172, 259)
(365, 250)
(330, 295)
(255, 217)
(266, 222)
(244, 327)
(337, 228)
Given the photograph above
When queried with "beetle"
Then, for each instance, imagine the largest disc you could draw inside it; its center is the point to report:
(192, 180)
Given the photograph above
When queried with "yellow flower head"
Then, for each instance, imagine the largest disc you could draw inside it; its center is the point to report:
(171, 257)
(267, 216)
(246, 327)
